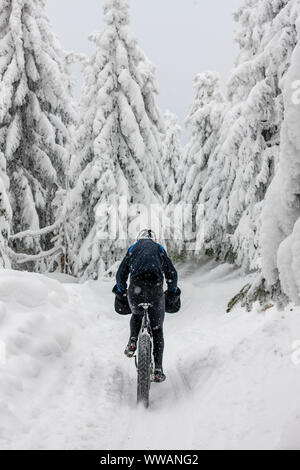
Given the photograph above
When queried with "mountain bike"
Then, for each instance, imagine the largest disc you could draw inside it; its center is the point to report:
(144, 360)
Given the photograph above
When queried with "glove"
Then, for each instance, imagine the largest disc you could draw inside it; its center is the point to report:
(174, 292)
(119, 292)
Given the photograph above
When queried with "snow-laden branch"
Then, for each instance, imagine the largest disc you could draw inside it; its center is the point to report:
(36, 233)
(22, 258)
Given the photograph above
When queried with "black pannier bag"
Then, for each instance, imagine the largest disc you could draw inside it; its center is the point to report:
(173, 301)
(121, 302)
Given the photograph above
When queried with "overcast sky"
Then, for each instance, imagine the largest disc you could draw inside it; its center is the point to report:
(181, 37)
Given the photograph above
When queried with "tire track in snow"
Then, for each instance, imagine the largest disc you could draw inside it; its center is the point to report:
(90, 402)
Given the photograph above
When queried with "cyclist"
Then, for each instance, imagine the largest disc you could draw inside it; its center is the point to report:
(147, 264)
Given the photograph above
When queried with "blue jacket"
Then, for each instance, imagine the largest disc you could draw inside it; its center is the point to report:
(146, 256)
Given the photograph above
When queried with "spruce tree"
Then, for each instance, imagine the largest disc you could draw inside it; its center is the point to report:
(5, 220)
(242, 168)
(204, 121)
(35, 116)
(280, 234)
(119, 146)
(172, 154)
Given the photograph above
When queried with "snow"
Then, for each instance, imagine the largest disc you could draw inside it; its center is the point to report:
(171, 155)
(118, 146)
(5, 217)
(233, 379)
(232, 156)
(37, 116)
(281, 216)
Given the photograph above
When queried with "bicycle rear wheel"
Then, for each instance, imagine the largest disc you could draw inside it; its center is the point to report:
(143, 370)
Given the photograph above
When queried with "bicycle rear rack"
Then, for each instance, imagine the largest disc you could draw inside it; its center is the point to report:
(145, 306)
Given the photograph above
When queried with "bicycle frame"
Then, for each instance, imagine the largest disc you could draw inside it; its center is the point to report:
(146, 326)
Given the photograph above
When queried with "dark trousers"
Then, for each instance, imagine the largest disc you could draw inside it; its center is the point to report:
(148, 290)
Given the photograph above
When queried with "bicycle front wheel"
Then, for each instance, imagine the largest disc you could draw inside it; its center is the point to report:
(143, 370)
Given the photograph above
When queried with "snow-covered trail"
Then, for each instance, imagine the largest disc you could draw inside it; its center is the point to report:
(67, 385)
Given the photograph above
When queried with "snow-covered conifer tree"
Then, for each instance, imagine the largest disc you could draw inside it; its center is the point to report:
(5, 220)
(172, 154)
(281, 216)
(242, 168)
(35, 115)
(204, 119)
(119, 145)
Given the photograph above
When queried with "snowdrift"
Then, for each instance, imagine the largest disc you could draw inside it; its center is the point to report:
(233, 380)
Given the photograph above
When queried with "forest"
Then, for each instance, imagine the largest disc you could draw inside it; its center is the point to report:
(80, 178)
(63, 162)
